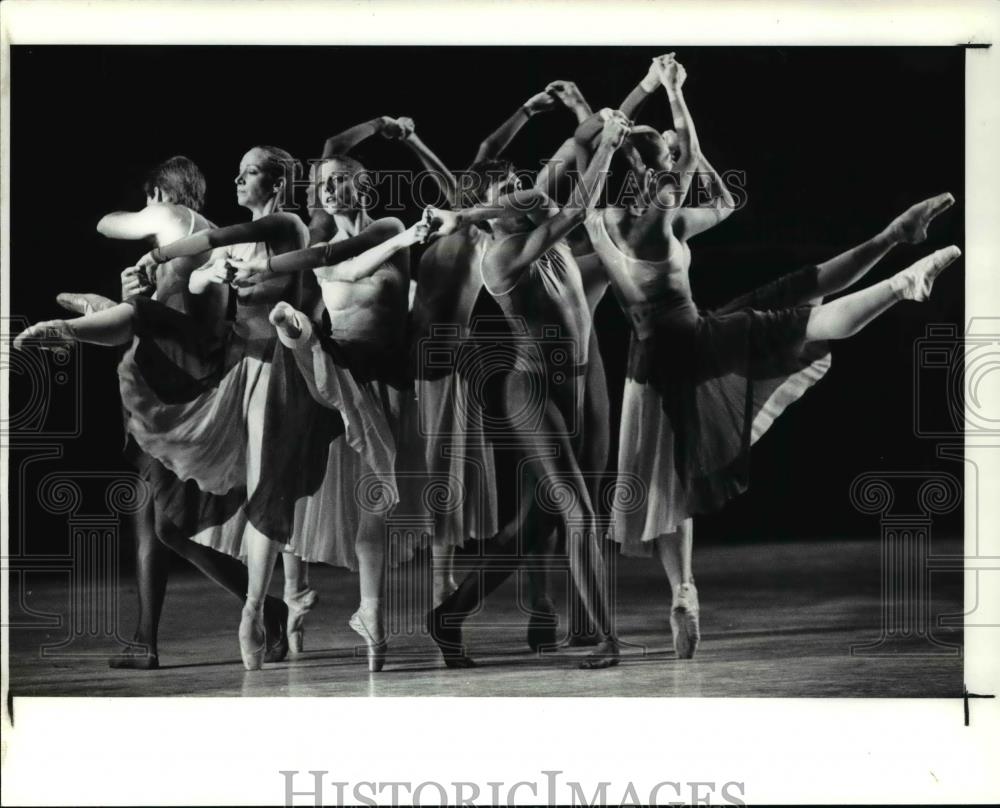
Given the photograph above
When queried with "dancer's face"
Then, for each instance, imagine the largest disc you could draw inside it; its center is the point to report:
(253, 187)
(339, 187)
(660, 150)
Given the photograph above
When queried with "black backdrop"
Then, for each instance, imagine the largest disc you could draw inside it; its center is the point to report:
(834, 142)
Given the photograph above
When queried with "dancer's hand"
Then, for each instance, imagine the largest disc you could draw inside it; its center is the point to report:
(672, 74)
(417, 233)
(248, 271)
(147, 261)
(440, 222)
(616, 126)
(539, 102)
(567, 92)
(396, 128)
(652, 78)
(135, 282)
(216, 272)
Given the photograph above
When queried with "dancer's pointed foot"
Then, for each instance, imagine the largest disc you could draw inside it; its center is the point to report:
(542, 625)
(369, 626)
(299, 605)
(606, 655)
(447, 633)
(915, 282)
(84, 302)
(684, 621)
(284, 318)
(137, 656)
(252, 638)
(51, 335)
(275, 621)
(911, 225)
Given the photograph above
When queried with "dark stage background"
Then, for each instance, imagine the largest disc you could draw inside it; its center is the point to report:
(834, 143)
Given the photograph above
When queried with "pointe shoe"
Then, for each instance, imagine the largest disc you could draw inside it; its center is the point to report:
(606, 655)
(684, 621)
(275, 624)
(51, 335)
(448, 639)
(374, 640)
(542, 625)
(915, 282)
(911, 225)
(252, 639)
(283, 317)
(84, 302)
(299, 605)
(136, 656)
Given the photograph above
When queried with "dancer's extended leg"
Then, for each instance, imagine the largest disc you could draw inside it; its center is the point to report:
(909, 227)
(108, 327)
(847, 315)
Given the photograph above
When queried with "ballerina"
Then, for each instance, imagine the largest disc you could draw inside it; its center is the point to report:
(701, 387)
(178, 515)
(530, 271)
(354, 368)
(225, 414)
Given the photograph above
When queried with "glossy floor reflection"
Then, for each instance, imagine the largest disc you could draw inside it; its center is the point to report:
(777, 620)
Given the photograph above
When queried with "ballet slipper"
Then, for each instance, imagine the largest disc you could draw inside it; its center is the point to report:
(374, 639)
(51, 335)
(448, 638)
(915, 282)
(252, 638)
(299, 605)
(84, 302)
(684, 621)
(607, 655)
(911, 225)
(284, 318)
(136, 656)
(275, 620)
(542, 625)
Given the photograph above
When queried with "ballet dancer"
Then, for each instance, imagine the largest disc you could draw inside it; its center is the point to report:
(226, 415)
(354, 368)
(178, 514)
(702, 387)
(530, 271)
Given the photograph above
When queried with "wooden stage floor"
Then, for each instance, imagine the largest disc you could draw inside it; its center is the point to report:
(777, 620)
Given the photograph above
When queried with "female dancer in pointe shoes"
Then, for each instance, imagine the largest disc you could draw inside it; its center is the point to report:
(702, 387)
(445, 439)
(355, 369)
(195, 524)
(228, 414)
(530, 271)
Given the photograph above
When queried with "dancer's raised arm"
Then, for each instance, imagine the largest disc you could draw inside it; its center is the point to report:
(719, 206)
(252, 271)
(343, 142)
(429, 160)
(515, 254)
(504, 134)
(273, 227)
(446, 222)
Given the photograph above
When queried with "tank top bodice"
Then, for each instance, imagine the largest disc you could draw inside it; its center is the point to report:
(251, 318)
(172, 276)
(651, 293)
(549, 299)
